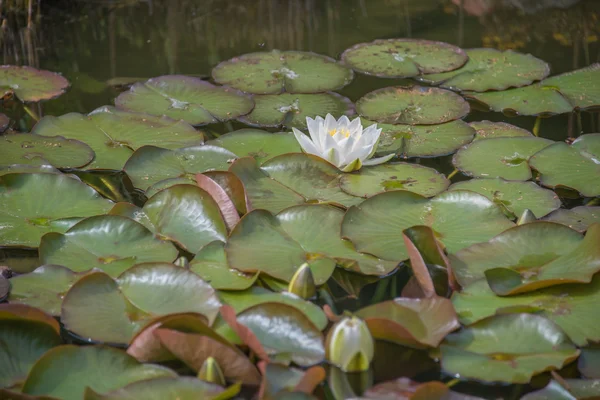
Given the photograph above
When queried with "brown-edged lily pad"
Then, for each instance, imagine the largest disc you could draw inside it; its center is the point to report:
(30, 84)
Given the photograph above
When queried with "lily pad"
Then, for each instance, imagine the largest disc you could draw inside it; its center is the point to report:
(24, 218)
(259, 144)
(30, 84)
(411, 322)
(114, 134)
(504, 157)
(149, 164)
(181, 388)
(575, 166)
(513, 197)
(25, 148)
(458, 219)
(193, 100)
(489, 130)
(414, 178)
(100, 368)
(109, 242)
(490, 351)
(401, 58)
(422, 140)
(589, 362)
(276, 71)
(291, 110)
(413, 105)
(491, 69)
(578, 218)
(210, 264)
(569, 306)
(530, 257)
(28, 169)
(567, 389)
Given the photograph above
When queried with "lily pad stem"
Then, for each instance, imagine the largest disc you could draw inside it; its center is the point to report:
(326, 296)
(536, 126)
(31, 113)
(452, 382)
(380, 290)
(452, 174)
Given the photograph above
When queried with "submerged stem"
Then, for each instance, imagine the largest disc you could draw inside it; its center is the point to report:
(452, 174)
(31, 113)
(536, 126)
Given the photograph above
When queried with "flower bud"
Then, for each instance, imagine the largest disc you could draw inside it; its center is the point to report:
(211, 372)
(302, 283)
(350, 345)
(182, 262)
(526, 217)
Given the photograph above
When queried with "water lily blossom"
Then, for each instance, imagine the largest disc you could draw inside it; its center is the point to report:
(343, 143)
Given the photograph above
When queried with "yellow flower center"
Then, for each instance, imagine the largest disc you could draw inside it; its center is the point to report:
(343, 131)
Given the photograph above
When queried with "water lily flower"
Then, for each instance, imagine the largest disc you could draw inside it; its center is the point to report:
(349, 345)
(343, 143)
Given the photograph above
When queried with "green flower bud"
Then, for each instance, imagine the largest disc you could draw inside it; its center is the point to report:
(182, 262)
(302, 283)
(350, 345)
(526, 217)
(211, 372)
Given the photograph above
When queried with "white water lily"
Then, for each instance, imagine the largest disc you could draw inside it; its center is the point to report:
(343, 143)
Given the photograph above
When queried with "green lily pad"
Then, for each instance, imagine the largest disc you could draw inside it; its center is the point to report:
(25, 148)
(193, 100)
(210, 264)
(100, 368)
(291, 110)
(504, 157)
(414, 178)
(491, 69)
(412, 322)
(259, 144)
(310, 176)
(24, 218)
(490, 351)
(169, 182)
(570, 306)
(279, 380)
(114, 134)
(413, 105)
(574, 166)
(530, 257)
(306, 233)
(149, 164)
(262, 191)
(489, 130)
(578, 218)
(559, 94)
(573, 389)
(30, 84)
(28, 169)
(43, 288)
(278, 71)
(458, 219)
(513, 197)
(180, 388)
(401, 58)
(109, 242)
(422, 140)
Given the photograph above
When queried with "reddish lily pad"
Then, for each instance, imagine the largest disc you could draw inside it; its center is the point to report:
(31, 84)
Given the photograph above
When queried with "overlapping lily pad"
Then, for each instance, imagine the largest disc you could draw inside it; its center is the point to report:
(114, 134)
(529, 257)
(458, 219)
(149, 164)
(276, 71)
(291, 110)
(34, 204)
(109, 242)
(259, 144)
(513, 197)
(25, 148)
(181, 388)
(184, 97)
(30, 84)
(413, 105)
(578, 218)
(489, 130)
(491, 69)
(504, 157)
(490, 351)
(567, 389)
(576, 166)
(400, 58)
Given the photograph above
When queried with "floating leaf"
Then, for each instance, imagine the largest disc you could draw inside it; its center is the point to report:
(490, 351)
(405, 389)
(259, 144)
(458, 219)
(578, 218)
(369, 181)
(114, 134)
(100, 368)
(400, 58)
(109, 242)
(24, 218)
(28, 169)
(414, 105)
(226, 206)
(149, 165)
(574, 389)
(180, 388)
(489, 130)
(278, 378)
(514, 197)
(504, 157)
(291, 110)
(276, 71)
(491, 69)
(25, 148)
(184, 97)
(30, 84)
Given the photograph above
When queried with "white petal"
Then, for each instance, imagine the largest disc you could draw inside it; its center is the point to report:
(361, 153)
(328, 142)
(307, 145)
(330, 123)
(314, 127)
(379, 160)
(332, 156)
(355, 124)
(343, 122)
(371, 135)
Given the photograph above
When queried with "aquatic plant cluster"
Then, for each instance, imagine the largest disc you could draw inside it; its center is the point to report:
(176, 262)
